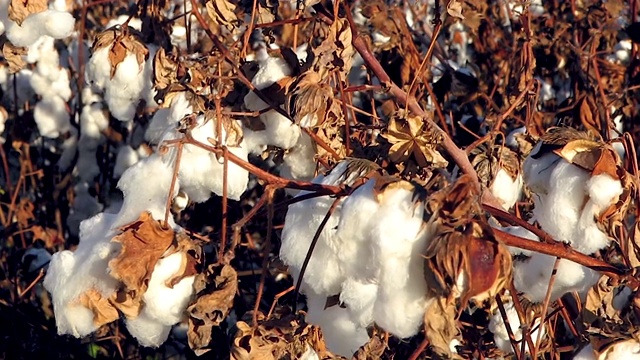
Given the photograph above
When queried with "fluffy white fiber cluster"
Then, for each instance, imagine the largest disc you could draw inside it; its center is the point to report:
(567, 200)
(130, 83)
(299, 162)
(73, 273)
(368, 252)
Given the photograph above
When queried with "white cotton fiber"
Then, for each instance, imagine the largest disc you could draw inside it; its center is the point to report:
(625, 349)
(532, 277)
(299, 161)
(127, 156)
(165, 304)
(507, 189)
(202, 173)
(56, 24)
(71, 274)
(140, 194)
(604, 190)
(537, 171)
(148, 332)
(360, 298)
(279, 130)
(52, 117)
(499, 329)
(166, 119)
(341, 335)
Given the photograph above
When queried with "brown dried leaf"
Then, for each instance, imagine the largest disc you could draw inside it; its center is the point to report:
(103, 310)
(14, 56)
(120, 45)
(454, 8)
(222, 12)
(410, 135)
(336, 51)
(144, 241)
(440, 327)
(215, 290)
(19, 9)
(165, 70)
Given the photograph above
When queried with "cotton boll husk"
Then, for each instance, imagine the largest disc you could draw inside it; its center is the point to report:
(499, 329)
(532, 277)
(126, 157)
(341, 335)
(506, 189)
(162, 303)
(72, 273)
(142, 195)
(147, 331)
(586, 353)
(604, 190)
(52, 117)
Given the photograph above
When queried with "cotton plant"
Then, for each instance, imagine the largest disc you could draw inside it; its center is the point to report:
(570, 195)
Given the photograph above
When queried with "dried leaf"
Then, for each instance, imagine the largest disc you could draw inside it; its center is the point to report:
(215, 290)
(410, 135)
(454, 8)
(222, 12)
(165, 70)
(19, 9)
(103, 310)
(121, 44)
(144, 241)
(14, 56)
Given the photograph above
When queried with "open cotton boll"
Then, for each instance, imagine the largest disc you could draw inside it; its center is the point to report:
(532, 277)
(299, 161)
(135, 23)
(57, 24)
(558, 212)
(147, 331)
(589, 238)
(341, 335)
(280, 131)
(98, 70)
(71, 274)
(126, 157)
(166, 304)
(52, 117)
(604, 190)
(202, 173)
(506, 189)
(167, 119)
(359, 297)
(537, 171)
(499, 329)
(140, 194)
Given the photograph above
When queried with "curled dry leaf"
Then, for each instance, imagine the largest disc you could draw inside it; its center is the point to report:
(454, 8)
(336, 50)
(215, 290)
(277, 339)
(120, 44)
(411, 135)
(222, 13)
(14, 56)
(144, 242)
(165, 70)
(19, 9)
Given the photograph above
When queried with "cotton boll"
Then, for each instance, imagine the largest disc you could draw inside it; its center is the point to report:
(57, 24)
(299, 162)
(52, 117)
(341, 335)
(142, 195)
(26, 34)
(147, 331)
(604, 190)
(537, 171)
(359, 297)
(166, 119)
(279, 130)
(532, 277)
(167, 304)
(71, 274)
(507, 189)
(589, 238)
(120, 20)
(98, 70)
(126, 157)
(499, 329)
